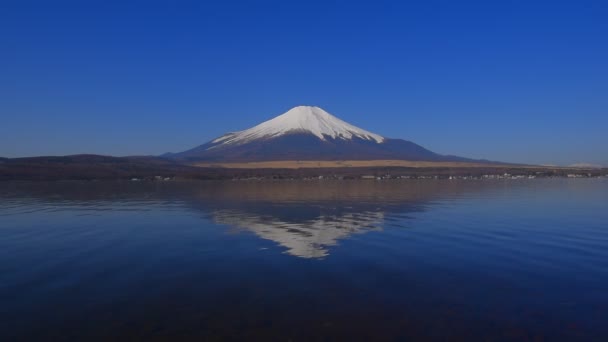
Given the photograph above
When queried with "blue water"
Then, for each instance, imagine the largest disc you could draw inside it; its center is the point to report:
(352, 260)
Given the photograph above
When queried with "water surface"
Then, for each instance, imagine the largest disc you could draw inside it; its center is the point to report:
(359, 260)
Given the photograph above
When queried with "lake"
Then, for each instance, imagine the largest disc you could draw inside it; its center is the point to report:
(305, 260)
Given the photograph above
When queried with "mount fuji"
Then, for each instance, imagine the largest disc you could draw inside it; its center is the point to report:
(308, 133)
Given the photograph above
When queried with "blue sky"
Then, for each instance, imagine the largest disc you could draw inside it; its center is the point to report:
(517, 81)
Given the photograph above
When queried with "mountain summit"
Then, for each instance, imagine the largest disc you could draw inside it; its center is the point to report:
(301, 119)
(307, 133)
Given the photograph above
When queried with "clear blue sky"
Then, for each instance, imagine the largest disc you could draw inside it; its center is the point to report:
(517, 81)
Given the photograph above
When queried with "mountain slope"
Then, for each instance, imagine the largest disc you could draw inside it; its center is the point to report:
(307, 133)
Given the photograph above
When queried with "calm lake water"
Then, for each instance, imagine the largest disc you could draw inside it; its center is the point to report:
(300, 261)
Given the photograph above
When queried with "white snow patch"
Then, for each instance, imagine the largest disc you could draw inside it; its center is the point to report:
(301, 119)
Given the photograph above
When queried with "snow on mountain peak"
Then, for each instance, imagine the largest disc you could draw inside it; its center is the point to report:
(308, 119)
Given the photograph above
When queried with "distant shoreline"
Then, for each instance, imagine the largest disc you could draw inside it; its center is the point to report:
(94, 167)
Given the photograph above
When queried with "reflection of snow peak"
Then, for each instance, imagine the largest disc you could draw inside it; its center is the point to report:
(300, 119)
(309, 239)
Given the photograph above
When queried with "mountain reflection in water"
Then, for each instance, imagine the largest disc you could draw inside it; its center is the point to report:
(308, 218)
(306, 239)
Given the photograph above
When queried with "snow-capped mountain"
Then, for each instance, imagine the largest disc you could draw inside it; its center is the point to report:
(307, 133)
(301, 119)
